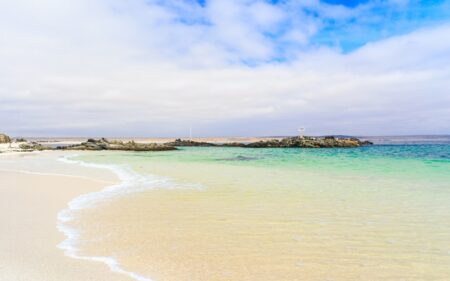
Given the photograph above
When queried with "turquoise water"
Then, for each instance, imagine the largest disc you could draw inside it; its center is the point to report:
(428, 162)
(372, 213)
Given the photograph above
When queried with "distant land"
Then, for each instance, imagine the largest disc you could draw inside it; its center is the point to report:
(413, 139)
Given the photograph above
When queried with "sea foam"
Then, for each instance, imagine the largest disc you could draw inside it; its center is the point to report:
(130, 182)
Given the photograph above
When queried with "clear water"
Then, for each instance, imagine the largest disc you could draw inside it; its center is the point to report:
(371, 213)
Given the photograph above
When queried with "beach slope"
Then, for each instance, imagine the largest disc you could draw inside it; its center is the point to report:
(29, 204)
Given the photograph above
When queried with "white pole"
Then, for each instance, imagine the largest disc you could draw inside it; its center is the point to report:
(301, 131)
(190, 133)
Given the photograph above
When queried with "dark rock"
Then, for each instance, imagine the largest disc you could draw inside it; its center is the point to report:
(180, 142)
(309, 142)
(104, 144)
(34, 146)
(232, 144)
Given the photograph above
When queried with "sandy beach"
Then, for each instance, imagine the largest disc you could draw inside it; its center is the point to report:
(29, 204)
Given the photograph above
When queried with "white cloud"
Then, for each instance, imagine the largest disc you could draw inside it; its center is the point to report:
(100, 67)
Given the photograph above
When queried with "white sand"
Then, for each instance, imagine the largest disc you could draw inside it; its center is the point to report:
(29, 204)
(9, 147)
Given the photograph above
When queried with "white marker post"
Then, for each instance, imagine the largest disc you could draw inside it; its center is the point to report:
(301, 132)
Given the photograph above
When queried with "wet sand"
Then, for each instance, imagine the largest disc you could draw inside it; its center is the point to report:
(270, 221)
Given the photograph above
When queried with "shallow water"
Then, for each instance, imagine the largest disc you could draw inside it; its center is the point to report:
(372, 213)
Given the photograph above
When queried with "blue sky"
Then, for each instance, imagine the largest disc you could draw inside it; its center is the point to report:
(381, 21)
(225, 67)
(348, 25)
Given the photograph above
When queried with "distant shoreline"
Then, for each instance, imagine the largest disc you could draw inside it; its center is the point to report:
(401, 139)
(376, 140)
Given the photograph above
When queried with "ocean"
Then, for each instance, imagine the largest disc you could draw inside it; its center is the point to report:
(379, 212)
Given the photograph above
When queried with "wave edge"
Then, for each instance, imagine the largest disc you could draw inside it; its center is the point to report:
(130, 182)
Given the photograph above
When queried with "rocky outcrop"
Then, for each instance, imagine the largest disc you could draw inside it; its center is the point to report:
(180, 142)
(233, 144)
(33, 146)
(104, 144)
(20, 140)
(290, 142)
(4, 138)
(304, 142)
(310, 142)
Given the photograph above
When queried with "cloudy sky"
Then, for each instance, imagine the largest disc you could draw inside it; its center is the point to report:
(224, 67)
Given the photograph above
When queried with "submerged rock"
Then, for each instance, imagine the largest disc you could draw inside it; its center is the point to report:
(233, 144)
(4, 138)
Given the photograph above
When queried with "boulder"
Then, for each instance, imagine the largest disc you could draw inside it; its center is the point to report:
(4, 138)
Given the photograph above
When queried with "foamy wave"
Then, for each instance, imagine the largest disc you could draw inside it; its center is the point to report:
(130, 182)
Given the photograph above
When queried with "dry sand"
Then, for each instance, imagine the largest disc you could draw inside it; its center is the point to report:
(29, 204)
(9, 147)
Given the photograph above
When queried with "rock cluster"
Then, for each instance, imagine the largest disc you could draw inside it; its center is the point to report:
(310, 142)
(33, 146)
(104, 144)
(180, 142)
(305, 142)
(4, 138)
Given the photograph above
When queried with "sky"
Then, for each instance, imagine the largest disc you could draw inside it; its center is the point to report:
(149, 68)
